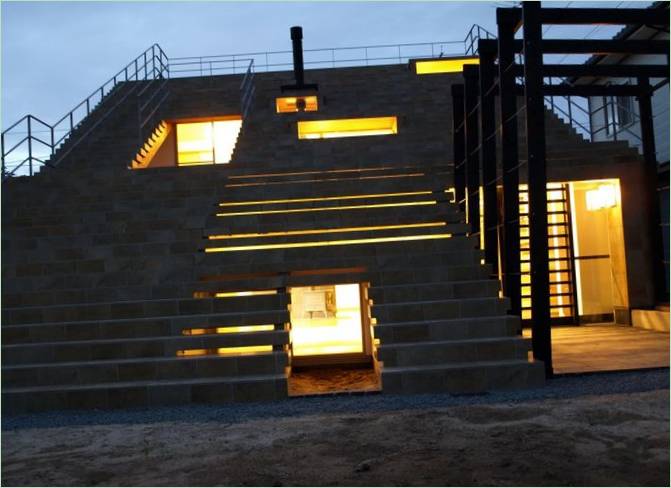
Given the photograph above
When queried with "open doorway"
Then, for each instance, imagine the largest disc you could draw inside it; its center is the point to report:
(331, 346)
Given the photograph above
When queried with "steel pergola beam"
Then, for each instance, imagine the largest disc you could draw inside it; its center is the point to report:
(471, 89)
(613, 16)
(537, 181)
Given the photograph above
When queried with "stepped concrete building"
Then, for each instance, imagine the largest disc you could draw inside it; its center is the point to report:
(263, 226)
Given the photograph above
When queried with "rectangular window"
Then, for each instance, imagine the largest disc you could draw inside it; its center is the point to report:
(291, 104)
(210, 142)
(327, 129)
(444, 65)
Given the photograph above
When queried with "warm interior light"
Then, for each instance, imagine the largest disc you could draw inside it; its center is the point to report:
(326, 129)
(325, 231)
(324, 199)
(605, 196)
(345, 242)
(210, 142)
(224, 351)
(290, 104)
(446, 65)
(326, 320)
(328, 209)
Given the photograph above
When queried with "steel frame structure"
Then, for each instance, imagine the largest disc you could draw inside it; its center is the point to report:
(488, 80)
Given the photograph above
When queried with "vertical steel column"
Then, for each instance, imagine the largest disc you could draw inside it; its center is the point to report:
(458, 145)
(487, 51)
(472, 141)
(537, 180)
(650, 157)
(507, 20)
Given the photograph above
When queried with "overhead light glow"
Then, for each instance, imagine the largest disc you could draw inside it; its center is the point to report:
(605, 196)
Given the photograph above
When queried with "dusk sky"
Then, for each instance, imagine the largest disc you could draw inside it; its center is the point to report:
(56, 53)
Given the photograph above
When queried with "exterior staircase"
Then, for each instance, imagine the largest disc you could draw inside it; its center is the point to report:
(111, 300)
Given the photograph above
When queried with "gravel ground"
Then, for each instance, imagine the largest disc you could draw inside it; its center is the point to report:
(593, 430)
(560, 387)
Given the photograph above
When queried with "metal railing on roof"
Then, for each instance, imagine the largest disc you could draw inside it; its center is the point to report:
(31, 142)
(334, 57)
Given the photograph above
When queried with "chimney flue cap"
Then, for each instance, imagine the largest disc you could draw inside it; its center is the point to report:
(296, 33)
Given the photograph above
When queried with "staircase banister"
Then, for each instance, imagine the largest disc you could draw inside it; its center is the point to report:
(15, 124)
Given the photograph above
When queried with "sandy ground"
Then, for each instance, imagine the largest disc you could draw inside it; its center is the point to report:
(595, 440)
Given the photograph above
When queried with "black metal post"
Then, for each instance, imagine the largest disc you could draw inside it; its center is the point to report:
(30, 147)
(458, 144)
(487, 51)
(507, 22)
(537, 180)
(472, 153)
(650, 157)
(297, 45)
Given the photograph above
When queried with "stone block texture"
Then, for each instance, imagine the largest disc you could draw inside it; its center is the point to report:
(107, 290)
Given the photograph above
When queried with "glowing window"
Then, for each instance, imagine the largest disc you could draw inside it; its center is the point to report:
(326, 129)
(326, 320)
(209, 142)
(447, 65)
(290, 104)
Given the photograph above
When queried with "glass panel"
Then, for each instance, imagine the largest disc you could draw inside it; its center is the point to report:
(326, 320)
(225, 136)
(194, 143)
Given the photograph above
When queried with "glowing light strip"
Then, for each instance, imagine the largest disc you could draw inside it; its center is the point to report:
(297, 173)
(450, 65)
(325, 199)
(326, 209)
(329, 243)
(325, 231)
(368, 126)
(290, 182)
(229, 294)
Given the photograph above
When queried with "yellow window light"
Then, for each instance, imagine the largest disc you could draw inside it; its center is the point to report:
(327, 129)
(228, 329)
(444, 65)
(210, 142)
(290, 104)
(344, 242)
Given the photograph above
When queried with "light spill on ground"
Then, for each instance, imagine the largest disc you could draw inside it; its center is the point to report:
(596, 440)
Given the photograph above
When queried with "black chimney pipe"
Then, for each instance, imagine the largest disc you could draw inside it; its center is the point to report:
(299, 71)
(297, 43)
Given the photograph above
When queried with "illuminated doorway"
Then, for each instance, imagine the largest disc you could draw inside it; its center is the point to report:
(210, 142)
(331, 348)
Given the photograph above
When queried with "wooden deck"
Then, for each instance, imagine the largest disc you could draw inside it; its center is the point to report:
(607, 347)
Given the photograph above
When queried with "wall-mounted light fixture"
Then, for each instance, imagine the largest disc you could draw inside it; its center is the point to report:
(605, 196)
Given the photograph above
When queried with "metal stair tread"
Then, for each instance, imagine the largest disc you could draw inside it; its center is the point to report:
(454, 341)
(443, 321)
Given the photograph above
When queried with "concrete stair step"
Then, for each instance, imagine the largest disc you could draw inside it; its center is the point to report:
(473, 377)
(345, 233)
(447, 329)
(145, 393)
(357, 215)
(129, 348)
(445, 352)
(142, 309)
(135, 328)
(391, 255)
(433, 291)
(439, 309)
(144, 369)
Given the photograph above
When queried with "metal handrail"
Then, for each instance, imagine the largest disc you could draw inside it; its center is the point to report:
(282, 60)
(150, 64)
(247, 89)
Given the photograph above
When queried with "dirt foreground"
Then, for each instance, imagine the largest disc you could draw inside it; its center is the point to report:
(613, 440)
